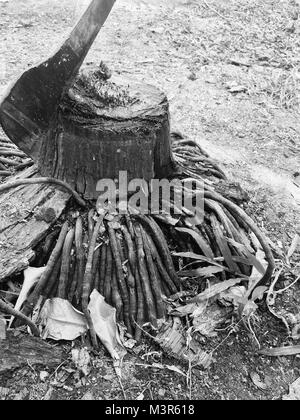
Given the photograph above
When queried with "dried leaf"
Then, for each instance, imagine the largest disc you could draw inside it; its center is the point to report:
(256, 274)
(250, 260)
(81, 359)
(60, 321)
(201, 272)
(4, 392)
(234, 296)
(173, 341)
(193, 256)
(175, 369)
(258, 293)
(213, 316)
(105, 324)
(88, 396)
(184, 310)
(44, 375)
(248, 308)
(127, 343)
(294, 394)
(281, 351)
(257, 381)
(163, 367)
(216, 289)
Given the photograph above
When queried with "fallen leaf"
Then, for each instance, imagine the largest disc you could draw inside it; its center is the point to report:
(59, 320)
(48, 394)
(161, 392)
(258, 293)
(201, 272)
(248, 308)
(257, 381)
(104, 320)
(3, 393)
(172, 338)
(209, 319)
(43, 375)
(175, 369)
(127, 343)
(186, 309)
(294, 394)
(233, 296)
(198, 257)
(88, 396)
(109, 378)
(81, 359)
(216, 289)
(256, 274)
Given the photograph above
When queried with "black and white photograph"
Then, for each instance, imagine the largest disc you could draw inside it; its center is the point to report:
(149, 203)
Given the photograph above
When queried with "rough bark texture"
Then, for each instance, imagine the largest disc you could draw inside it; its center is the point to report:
(24, 221)
(20, 351)
(103, 139)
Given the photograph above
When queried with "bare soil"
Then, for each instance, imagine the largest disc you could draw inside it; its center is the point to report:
(230, 69)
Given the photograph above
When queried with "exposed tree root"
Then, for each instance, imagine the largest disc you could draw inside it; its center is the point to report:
(129, 260)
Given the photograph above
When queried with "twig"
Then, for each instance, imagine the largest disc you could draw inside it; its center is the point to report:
(216, 12)
(278, 292)
(270, 300)
(252, 331)
(16, 314)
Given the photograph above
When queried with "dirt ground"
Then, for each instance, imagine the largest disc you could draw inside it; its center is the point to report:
(230, 69)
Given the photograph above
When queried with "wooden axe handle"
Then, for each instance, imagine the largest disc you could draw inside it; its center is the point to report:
(88, 27)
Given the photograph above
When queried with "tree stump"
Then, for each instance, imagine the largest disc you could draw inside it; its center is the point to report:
(22, 224)
(103, 127)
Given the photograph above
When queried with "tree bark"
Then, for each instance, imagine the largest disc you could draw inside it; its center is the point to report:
(16, 352)
(92, 139)
(23, 223)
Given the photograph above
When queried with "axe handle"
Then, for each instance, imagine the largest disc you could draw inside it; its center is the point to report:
(88, 27)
